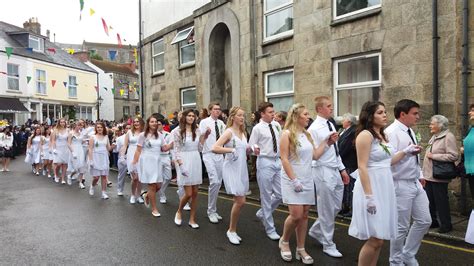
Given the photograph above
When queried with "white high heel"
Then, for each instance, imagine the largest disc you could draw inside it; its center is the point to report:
(285, 255)
(306, 259)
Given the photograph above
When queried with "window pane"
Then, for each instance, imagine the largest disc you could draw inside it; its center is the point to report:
(159, 63)
(270, 4)
(189, 97)
(182, 35)
(351, 101)
(281, 103)
(34, 43)
(12, 70)
(360, 70)
(13, 84)
(348, 6)
(279, 22)
(158, 47)
(187, 54)
(281, 82)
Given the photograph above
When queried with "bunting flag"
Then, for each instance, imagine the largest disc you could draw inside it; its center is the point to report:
(96, 88)
(135, 54)
(113, 91)
(91, 11)
(53, 82)
(52, 50)
(29, 49)
(9, 51)
(112, 55)
(119, 41)
(65, 84)
(1, 72)
(106, 29)
(105, 88)
(110, 28)
(81, 2)
(70, 51)
(122, 91)
(28, 79)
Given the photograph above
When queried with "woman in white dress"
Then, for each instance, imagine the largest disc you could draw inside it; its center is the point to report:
(146, 161)
(129, 148)
(34, 148)
(6, 143)
(187, 144)
(77, 158)
(233, 143)
(99, 148)
(47, 153)
(60, 150)
(374, 214)
(297, 150)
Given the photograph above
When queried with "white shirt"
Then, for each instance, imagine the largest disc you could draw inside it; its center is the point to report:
(119, 142)
(262, 136)
(407, 168)
(209, 122)
(319, 132)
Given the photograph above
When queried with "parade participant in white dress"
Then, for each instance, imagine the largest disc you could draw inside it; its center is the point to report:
(6, 143)
(234, 144)
(146, 161)
(77, 158)
(122, 160)
(297, 187)
(180, 190)
(212, 128)
(60, 150)
(165, 161)
(99, 148)
(374, 214)
(187, 143)
(129, 148)
(266, 137)
(329, 176)
(47, 153)
(412, 201)
(35, 149)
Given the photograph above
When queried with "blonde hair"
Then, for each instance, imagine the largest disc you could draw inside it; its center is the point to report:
(230, 120)
(319, 101)
(292, 126)
(58, 125)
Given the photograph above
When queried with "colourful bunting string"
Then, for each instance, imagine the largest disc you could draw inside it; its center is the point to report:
(105, 88)
(52, 50)
(9, 51)
(28, 79)
(112, 55)
(96, 88)
(1, 72)
(119, 41)
(29, 49)
(122, 91)
(71, 51)
(91, 11)
(113, 91)
(81, 2)
(53, 82)
(65, 84)
(106, 29)
(110, 28)
(135, 54)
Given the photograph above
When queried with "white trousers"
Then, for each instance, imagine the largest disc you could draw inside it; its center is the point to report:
(122, 173)
(213, 163)
(269, 183)
(329, 192)
(166, 172)
(412, 204)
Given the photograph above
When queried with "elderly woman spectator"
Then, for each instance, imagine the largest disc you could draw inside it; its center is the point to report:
(346, 145)
(442, 147)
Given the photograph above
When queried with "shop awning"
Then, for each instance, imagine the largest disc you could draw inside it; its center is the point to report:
(12, 105)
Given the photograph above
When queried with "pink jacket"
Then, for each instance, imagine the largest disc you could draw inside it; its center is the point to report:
(444, 148)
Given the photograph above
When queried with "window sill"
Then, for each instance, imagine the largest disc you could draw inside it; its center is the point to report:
(74, 98)
(157, 74)
(276, 39)
(369, 13)
(41, 94)
(15, 91)
(187, 65)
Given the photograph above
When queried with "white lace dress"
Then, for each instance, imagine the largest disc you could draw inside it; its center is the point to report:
(188, 151)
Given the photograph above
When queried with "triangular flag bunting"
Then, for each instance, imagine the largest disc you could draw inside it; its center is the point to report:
(122, 91)
(9, 51)
(119, 41)
(28, 78)
(53, 82)
(105, 88)
(65, 84)
(135, 54)
(29, 49)
(52, 50)
(96, 88)
(110, 28)
(112, 55)
(71, 51)
(113, 91)
(106, 29)
(91, 11)
(81, 2)
(1, 72)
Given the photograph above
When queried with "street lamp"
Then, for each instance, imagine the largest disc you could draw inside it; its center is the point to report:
(99, 103)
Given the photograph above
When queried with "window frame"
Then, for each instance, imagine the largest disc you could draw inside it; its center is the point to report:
(357, 85)
(363, 10)
(69, 86)
(181, 57)
(279, 94)
(40, 43)
(39, 81)
(153, 56)
(13, 77)
(188, 105)
(123, 111)
(270, 12)
(176, 40)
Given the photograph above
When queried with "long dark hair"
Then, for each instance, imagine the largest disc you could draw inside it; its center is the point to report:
(182, 124)
(148, 129)
(366, 120)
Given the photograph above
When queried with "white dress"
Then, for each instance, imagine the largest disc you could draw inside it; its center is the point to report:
(188, 151)
(62, 150)
(383, 224)
(301, 166)
(149, 164)
(235, 173)
(47, 153)
(77, 164)
(100, 156)
(35, 150)
(132, 147)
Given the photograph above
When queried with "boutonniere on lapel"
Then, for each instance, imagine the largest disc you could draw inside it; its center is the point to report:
(97, 144)
(418, 137)
(385, 148)
(298, 143)
(221, 129)
(148, 143)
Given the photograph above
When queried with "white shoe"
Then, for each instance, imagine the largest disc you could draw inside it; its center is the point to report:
(163, 200)
(308, 260)
(56, 179)
(156, 214)
(44, 172)
(273, 236)
(194, 226)
(140, 200)
(119, 193)
(69, 181)
(49, 175)
(133, 200)
(3, 170)
(81, 185)
(213, 219)
(7, 170)
(248, 193)
(187, 207)
(104, 195)
(218, 216)
(177, 220)
(69, 176)
(91, 190)
(232, 236)
(285, 255)
(63, 182)
(333, 252)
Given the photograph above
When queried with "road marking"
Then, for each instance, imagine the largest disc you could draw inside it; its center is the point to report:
(346, 225)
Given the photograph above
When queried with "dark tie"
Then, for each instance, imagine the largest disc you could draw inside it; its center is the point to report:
(330, 130)
(275, 149)
(412, 139)
(218, 135)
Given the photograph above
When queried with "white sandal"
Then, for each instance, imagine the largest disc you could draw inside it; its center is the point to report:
(306, 259)
(285, 255)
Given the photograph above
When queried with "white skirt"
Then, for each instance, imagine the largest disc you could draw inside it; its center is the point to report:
(149, 171)
(235, 175)
(62, 155)
(192, 163)
(100, 164)
(130, 154)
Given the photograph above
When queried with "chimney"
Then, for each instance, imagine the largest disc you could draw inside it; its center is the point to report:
(33, 25)
(48, 34)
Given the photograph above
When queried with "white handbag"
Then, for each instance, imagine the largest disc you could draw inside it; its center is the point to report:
(470, 229)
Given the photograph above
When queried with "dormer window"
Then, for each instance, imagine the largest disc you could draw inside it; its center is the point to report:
(36, 43)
